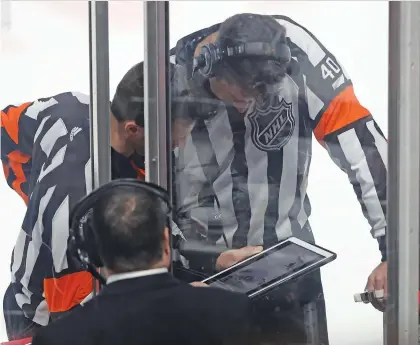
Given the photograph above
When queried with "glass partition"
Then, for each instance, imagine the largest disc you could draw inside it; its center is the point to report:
(44, 53)
(295, 148)
(278, 128)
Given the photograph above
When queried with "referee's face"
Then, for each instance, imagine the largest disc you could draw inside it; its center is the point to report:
(232, 93)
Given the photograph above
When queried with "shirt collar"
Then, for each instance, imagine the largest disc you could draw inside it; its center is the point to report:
(136, 274)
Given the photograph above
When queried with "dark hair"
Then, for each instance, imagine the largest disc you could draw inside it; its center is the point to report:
(251, 28)
(129, 229)
(128, 101)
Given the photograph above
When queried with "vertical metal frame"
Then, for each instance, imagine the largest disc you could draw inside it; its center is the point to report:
(157, 93)
(401, 319)
(157, 100)
(100, 146)
(99, 93)
(5, 14)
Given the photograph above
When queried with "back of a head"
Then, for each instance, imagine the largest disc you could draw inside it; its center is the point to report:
(248, 28)
(129, 229)
(253, 28)
(128, 101)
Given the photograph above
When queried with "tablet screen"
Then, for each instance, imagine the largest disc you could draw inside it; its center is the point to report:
(276, 265)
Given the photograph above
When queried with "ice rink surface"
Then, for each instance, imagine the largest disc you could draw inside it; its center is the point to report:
(46, 52)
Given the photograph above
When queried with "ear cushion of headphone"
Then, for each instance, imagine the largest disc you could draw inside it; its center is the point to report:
(81, 243)
(90, 243)
(72, 247)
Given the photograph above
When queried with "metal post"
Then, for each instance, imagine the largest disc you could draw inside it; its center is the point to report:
(100, 147)
(5, 15)
(99, 93)
(156, 93)
(401, 321)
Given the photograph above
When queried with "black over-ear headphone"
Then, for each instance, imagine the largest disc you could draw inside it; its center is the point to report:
(212, 54)
(82, 245)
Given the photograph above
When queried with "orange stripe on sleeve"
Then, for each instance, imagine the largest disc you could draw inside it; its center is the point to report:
(10, 120)
(343, 110)
(16, 159)
(65, 292)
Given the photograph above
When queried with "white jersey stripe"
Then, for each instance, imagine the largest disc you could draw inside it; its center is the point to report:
(380, 142)
(59, 238)
(223, 189)
(57, 130)
(355, 156)
(302, 38)
(258, 188)
(55, 163)
(88, 176)
(315, 104)
(42, 314)
(18, 252)
(36, 241)
(220, 135)
(38, 106)
(191, 179)
(290, 166)
(41, 126)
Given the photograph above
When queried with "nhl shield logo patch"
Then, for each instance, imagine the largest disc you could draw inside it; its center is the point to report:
(272, 126)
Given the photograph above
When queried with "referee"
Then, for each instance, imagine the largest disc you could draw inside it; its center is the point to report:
(242, 177)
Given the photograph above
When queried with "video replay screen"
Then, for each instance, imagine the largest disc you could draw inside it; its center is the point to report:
(273, 266)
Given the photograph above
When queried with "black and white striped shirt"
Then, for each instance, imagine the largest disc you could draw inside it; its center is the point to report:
(45, 151)
(258, 164)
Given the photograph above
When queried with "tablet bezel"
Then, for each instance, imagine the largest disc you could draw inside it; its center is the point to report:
(327, 255)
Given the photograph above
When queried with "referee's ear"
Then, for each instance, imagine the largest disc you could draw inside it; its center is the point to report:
(132, 128)
(134, 135)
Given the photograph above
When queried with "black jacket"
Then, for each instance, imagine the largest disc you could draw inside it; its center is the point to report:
(158, 310)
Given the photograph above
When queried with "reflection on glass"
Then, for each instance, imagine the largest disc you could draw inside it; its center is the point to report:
(257, 88)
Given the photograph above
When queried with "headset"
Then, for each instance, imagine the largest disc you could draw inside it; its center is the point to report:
(212, 54)
(261, 64)
(82, 244)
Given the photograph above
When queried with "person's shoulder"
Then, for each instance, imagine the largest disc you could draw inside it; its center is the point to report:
(64, 113)
(72, 105)
(216, 313)
(289, 23)
(72, 97)
(301, 38)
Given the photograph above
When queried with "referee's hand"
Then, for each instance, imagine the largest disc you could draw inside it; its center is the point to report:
(199, 284)
(233, 256)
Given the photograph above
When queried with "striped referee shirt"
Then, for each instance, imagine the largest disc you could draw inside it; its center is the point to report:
(258, 164)
(45, 152)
